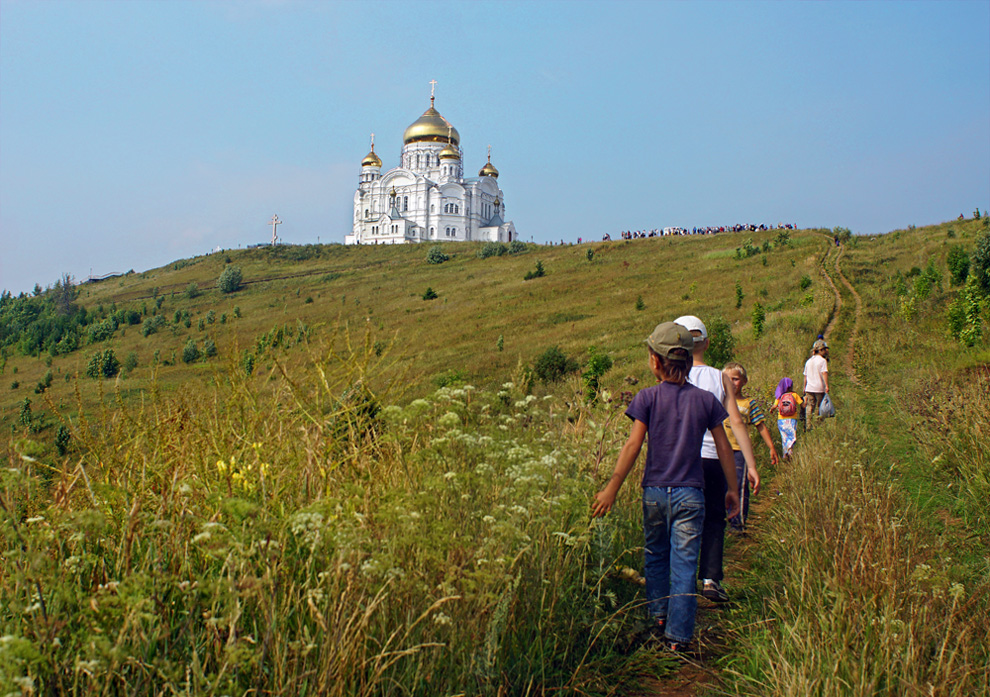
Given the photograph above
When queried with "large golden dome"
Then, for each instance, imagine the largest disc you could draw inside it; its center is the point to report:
(431, 127)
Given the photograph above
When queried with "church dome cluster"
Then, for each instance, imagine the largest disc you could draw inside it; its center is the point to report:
(427, 197)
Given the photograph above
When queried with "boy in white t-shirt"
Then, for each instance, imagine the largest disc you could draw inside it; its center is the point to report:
(711, 379)
(815, 381)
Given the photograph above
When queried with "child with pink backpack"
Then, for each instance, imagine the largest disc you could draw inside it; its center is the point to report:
(788, 406)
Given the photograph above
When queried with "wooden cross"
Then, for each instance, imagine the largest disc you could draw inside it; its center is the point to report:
(275, 222)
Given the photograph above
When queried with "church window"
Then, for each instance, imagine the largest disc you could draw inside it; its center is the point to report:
(432, 207)
(431, 232)
(405, 203)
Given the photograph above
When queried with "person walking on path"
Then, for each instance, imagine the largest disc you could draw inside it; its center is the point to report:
(710, 570)
(752, 415)
(676, 416)
(788, 406)
(815, 382)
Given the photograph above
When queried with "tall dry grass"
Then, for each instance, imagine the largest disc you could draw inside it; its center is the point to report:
(299, 534)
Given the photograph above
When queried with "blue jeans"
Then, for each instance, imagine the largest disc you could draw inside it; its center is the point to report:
(739, 521)
(672, 521)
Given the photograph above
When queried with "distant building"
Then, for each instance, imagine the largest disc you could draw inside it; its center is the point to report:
(427, 197)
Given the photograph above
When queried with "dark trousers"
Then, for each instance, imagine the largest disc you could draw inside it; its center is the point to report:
(713, 532)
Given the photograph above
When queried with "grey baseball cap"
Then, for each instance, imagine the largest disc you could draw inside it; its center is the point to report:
(669, 339)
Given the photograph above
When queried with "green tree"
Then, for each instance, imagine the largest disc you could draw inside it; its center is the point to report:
(103, 364)
(721, 343)
(230, 279)
(958, 262)
(979, 262)
(552, 365)
(759, 317)
(739, 295)
(436, 255)
(192, 290)
(190, 352)
(430, 294)
(598, 364)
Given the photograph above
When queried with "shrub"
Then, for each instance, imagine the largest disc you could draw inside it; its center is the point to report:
(192, 290)
(958, 262)
(14, 385)
(598, 365)
(430, 294)
(247, 362)
(190, 353)
(44, 383)
(843, 233)
(211, 317)
(103, 364)
(493, 249)
(536, 273)
(963, 315)
(500, 343)
(152, 324)
(209, 348)
(552, 365)
(62, 438)
(101, 331)
(739, 295)
(759, 317)
(130, 361)
(436, 255)
(640, 305)
(979, 262)
(721, 343)
(517, 247)
(590, 254)
(237, 311)
(805, 282)
(230, 279)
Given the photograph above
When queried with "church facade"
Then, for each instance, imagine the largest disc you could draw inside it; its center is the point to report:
(427, 197)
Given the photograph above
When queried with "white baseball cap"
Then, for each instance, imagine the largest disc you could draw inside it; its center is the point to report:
(693, 324)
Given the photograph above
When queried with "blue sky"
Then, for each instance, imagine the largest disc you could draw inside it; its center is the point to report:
(136, 133)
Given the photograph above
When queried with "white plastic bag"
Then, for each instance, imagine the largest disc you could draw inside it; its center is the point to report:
(826, 409)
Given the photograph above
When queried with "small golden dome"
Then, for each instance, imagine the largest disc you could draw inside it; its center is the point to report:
(449, 153)
(431, 127)
(371, 160)
(488, 170)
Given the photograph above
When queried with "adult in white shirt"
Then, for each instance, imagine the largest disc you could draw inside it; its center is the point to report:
(815, 382)
(713, 532)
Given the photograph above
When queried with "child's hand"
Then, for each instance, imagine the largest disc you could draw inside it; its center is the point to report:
(604, 500)
(731, 504)
(754, 480)
(773, 458)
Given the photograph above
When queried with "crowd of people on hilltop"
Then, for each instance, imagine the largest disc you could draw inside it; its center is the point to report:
(710, 230)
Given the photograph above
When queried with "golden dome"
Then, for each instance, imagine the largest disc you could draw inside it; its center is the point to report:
(488, 170)
(431, 127)
(449, 153)
(371, 160)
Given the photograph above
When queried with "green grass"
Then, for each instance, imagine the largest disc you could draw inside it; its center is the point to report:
(334, 523)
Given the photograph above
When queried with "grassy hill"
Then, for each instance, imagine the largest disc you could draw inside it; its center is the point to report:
(387, 502)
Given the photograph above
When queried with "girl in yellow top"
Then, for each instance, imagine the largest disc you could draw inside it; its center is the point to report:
(788, 406)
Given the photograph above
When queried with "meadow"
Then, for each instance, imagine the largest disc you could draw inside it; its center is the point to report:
(365, 492)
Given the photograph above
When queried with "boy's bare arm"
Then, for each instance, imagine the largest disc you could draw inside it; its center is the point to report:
(765, 433)
(605, 498)
(738, 427)
(728, 463)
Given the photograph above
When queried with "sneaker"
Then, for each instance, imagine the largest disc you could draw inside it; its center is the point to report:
(679, 647)
(713, 591)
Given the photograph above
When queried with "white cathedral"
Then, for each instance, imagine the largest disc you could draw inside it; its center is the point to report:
(427, 196)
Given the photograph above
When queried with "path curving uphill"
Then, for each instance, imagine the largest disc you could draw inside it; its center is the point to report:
(850, 356)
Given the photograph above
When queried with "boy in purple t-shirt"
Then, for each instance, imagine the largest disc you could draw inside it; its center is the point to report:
(676, 416)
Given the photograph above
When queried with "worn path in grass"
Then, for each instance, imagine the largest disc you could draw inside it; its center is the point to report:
(697, 674)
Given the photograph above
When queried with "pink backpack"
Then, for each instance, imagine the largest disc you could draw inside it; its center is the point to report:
(788, 404)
